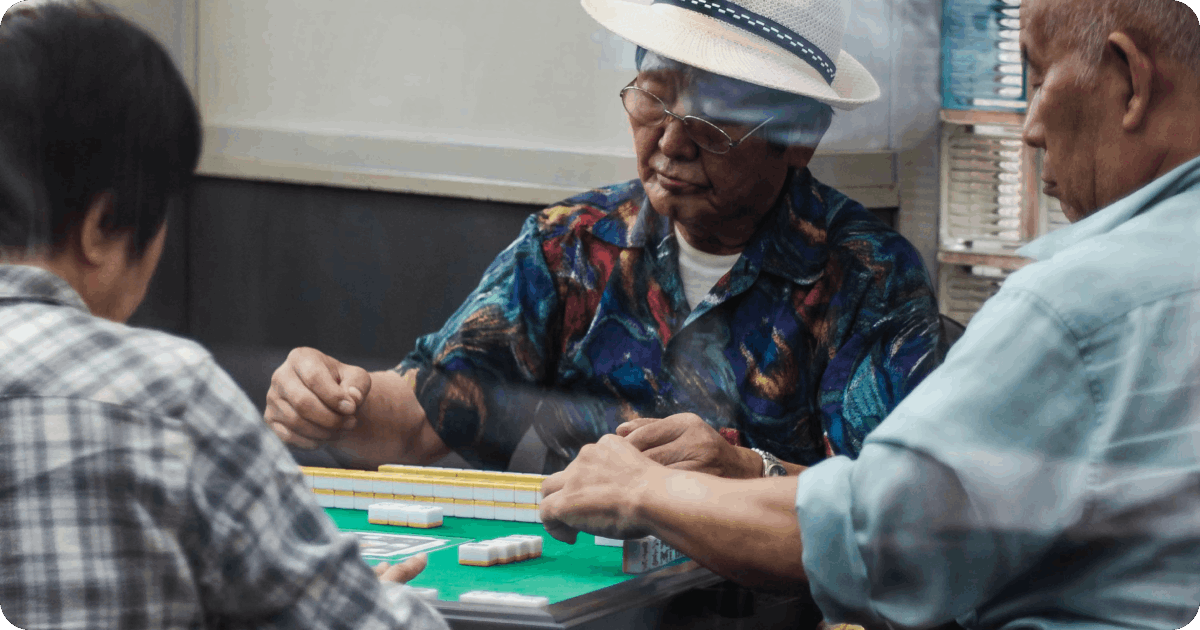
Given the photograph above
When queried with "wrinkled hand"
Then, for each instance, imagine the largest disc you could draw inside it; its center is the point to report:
(314, 397)
(598, 492)
(686, 442)
(403, 572)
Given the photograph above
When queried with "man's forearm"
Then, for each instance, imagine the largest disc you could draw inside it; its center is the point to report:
(392, 427)
(744, 530)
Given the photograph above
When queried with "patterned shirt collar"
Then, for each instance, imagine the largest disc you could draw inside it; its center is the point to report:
(789, 243)
(22, 283)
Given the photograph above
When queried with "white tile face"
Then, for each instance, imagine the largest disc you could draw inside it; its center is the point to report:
(479, 597)
(362, 503)
(505, 514)
(485, 512)
(483, 493)
(523, 515)
(609, 542)
(429, 594)
(423, 515)
(441, 490)
(363, 485)
(477, 552)
(464, 511)
(535, 542)
(340, 483)
(506, 551)
(324, 483)
(504, 495)
(402, 488)
(381, 487)
(344, 502)
(326, 500)
(463, 492)
(421, 489)
(527, 550)
(524, 496)
(524, 601)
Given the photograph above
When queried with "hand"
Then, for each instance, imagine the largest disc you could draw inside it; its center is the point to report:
(686, 442)
(314, 397)
(403, 572)
(598, 492)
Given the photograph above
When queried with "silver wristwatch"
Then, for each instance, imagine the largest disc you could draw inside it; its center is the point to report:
(772, 467)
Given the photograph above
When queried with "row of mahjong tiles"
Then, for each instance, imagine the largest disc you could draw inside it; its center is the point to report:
(458, 492)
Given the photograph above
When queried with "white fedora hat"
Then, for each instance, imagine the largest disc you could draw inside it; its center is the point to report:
(789, 45)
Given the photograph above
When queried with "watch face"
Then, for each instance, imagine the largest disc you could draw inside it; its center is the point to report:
(776, 470)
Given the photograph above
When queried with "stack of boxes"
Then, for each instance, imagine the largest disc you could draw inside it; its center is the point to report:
(459, 493)
(981, 55)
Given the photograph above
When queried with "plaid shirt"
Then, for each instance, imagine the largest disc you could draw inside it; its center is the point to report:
(823, 325)
(139, 488)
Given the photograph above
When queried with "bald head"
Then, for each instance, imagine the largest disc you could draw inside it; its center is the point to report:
(1166, 29)
(1114, 90)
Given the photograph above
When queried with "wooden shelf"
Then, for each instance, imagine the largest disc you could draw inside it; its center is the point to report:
(1007, 262)
(963, 117)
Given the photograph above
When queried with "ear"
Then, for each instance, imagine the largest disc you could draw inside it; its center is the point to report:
(1137, 70)
(101, 249)
(798, 156)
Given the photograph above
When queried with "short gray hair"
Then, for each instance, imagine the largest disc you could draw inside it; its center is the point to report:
(1164, 28)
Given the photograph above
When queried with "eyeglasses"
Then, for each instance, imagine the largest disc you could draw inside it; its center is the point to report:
(647, 109)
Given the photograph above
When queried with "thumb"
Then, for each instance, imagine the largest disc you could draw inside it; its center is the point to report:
(355, 384)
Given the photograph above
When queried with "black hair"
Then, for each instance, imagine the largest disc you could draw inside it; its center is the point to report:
(89, 104)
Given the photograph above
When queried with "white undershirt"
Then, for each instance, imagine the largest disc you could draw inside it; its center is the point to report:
(699, 270)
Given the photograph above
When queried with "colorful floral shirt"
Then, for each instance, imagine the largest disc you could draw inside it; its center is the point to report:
(821, 327)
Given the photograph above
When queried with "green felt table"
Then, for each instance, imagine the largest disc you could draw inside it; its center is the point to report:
(563, 572)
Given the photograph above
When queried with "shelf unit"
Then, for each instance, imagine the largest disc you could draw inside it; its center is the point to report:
(991, 204)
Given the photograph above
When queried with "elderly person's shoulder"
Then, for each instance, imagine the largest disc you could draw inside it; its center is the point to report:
(853, 234)
(581, 212)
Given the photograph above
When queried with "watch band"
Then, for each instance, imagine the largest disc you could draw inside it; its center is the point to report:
(772, 467)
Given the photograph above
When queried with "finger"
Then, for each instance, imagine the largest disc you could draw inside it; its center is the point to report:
(288, 437)
(320, 375)
(307, 406)
(407, 570)
(282, 412)
(356, 382)
(655, 434)
(625, 428)
(553, 483)
(380, 568)
(557, 529)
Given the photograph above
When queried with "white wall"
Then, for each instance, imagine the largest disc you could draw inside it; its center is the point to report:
(504, 100)
(478, 98)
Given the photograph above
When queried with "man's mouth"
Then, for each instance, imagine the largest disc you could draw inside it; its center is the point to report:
(1051, 189)
(671, 184)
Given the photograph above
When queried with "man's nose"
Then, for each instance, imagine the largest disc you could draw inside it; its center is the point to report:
(675, 142)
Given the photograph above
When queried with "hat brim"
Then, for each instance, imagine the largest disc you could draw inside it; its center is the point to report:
(704, 42)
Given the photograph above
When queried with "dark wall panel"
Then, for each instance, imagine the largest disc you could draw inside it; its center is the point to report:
(357, 274)
(253, 269)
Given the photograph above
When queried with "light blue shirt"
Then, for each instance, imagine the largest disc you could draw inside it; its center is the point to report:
(1047, 475)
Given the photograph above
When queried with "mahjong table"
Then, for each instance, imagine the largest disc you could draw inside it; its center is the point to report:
(583, 582)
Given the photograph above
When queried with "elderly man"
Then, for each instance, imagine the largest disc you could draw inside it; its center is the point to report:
(138, 487)
(724, 289)
(1048, 474)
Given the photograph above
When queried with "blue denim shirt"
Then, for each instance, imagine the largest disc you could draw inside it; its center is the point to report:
(1047, 475)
